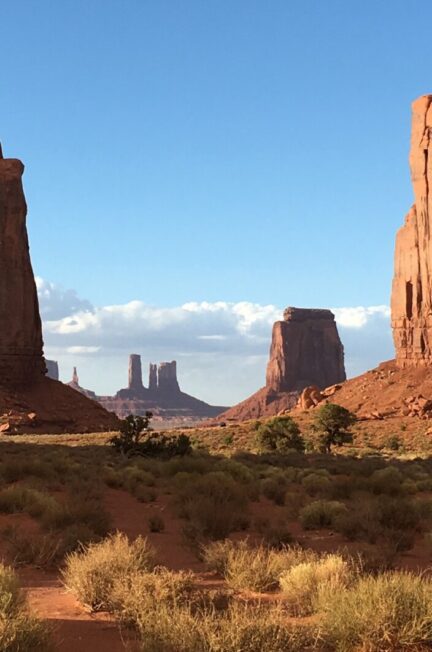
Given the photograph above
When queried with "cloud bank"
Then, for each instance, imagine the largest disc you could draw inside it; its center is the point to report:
(221, 347)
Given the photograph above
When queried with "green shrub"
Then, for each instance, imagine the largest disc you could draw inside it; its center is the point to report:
(392, 611)
(136, 438)
(316, 484)
(280, 434)
(274, 489)
(92, 572)
(332, 423)
(214, 504)
(387, 481)
(321, 514)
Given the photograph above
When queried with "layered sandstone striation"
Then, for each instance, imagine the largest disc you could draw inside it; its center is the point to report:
(305, 351)
(411, 302)
(29, 401)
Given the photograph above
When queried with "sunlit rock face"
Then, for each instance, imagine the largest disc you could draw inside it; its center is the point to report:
(305, 350)
(411, 302)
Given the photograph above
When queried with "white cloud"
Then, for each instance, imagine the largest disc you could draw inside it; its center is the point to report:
(221, 347)
(359, 316)
(83, 349)
(55, 302)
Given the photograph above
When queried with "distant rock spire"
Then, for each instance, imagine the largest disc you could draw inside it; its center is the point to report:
(153, 380)
(1, 151)
(75, 378)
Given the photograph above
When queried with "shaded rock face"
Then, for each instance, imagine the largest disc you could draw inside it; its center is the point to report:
(52, 369)
(153, 378)
(305, 350)
(135, 373)
(21, 357)
(411, 302)
(29, 400)
(167, 378)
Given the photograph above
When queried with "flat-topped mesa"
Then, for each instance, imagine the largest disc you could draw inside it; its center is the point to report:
(305, 350)
(135, 373)
(167, 378)
(411, 302)
(21, 357)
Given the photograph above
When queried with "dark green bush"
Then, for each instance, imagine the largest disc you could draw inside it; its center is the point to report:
(280, 434)
(332, 423)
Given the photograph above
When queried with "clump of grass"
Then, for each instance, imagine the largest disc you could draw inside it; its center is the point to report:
(392, 611)
(254, 569)
(302, 583)
(136, 595)
(92, 572)
(321, 514)
(19, 630)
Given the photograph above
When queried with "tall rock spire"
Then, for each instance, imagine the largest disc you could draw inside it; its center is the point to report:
(135, 372)
(21, 358)
(411, 302)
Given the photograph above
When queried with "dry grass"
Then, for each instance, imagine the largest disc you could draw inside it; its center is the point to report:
(92, 572)
(253, 569)
(303, 583)
(19, 630)
(392, 611)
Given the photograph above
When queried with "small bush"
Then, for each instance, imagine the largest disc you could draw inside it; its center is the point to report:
(321, 514)
(280, 434)
(392, 611)
(315, 484)
(302, 583)
(387, 481)
(92, 572)
(214, 504)
(255, 569)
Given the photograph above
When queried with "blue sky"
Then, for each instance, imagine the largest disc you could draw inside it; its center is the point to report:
(194, 151)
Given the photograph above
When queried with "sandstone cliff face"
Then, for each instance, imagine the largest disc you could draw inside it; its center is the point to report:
(411, 303)
(305, 350)
(21, 359)
(30, 401)
(135, 373)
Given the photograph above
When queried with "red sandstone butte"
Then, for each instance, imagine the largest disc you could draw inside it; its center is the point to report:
(305, 350)
(29, 401)
(411, 301)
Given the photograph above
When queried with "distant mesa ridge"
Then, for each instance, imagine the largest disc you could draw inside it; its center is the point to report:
(163, 396)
